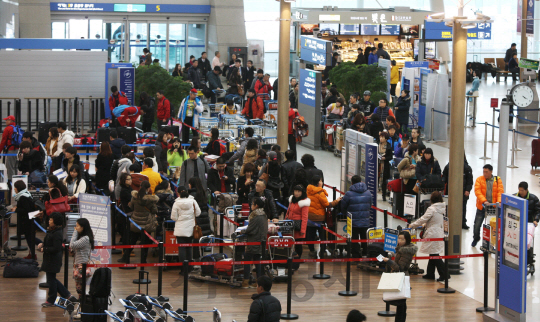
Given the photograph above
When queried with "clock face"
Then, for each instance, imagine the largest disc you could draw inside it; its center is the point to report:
(522, 96)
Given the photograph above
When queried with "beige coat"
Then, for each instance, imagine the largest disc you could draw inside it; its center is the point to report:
(403, 167)
(434, 221)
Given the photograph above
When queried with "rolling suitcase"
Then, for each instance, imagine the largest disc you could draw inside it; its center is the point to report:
(44, 128)
(129, 134)
(224, 267)
(209, 269)
(535, 156)
(103, 134)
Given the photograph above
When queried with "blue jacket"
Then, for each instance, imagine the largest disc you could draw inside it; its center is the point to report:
(372, 59)
(357, 201)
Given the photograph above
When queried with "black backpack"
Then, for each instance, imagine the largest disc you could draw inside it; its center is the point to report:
(101, 283)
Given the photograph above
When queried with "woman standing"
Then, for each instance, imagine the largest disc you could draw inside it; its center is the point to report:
(196, 190)
(214, 146)
(404, 255)
(177, 71)
(433, 222)
(246, 182)
(103, 166)
(251, 154)
(256, 232)
(317, 213)
(52, 141)
(75, 183)
(415, 137)
(427, 165)
(57, 189)
(144, 206)
(125, 199)
(235, 81)
(25, 205)
(160, 149)
(401, 110)
(52, 259)
(407, 168)
(386, 154)
(176, 155)
(147, 103)
(184, 211)
(299, 212)
(81, 245)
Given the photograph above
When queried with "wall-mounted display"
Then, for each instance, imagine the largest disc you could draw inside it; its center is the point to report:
(329, 29)
(307, 28)
(409, 30)
(349, 29)
(369, 30)
(390, 30)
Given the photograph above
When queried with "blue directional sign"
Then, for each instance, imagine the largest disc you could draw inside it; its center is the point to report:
(417, 64)
(316, 51)
(308, 87)
(439, 31)
(390, 240)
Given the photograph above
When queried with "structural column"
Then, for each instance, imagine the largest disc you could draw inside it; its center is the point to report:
(457, 133)
(283, 74)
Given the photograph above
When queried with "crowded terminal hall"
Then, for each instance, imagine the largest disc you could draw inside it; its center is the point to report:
(160, 162)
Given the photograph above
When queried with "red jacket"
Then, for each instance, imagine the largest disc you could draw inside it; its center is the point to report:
(256, 105)
(299, 211)
(115, 101)
(292, 116)
(262, 88)
(163, 109)
(131, 113)
(6, 138)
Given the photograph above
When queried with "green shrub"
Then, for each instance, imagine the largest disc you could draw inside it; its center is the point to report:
(349, 78)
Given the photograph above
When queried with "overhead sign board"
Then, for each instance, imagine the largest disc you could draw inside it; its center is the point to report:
(124, 7)
(314, 57)
(417, 64)
(439, 31)
(316, 51)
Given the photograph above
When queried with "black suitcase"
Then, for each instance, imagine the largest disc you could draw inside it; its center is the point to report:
(175, 130)
(103, 134)
(129, 134)
(209, 269)
(20, 267)
(376, 249)
(94, 305)
(43, 132)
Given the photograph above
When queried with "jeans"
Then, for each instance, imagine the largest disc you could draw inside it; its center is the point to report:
(247, 267)
(435, 263)
(184, 252)
(478, 220)
(465, 199)
(133, 237)
(401, 309)
(355, 247)
(311, 235)
(292, 144)
(55, 287)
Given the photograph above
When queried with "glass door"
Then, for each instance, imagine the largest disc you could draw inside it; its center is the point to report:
(196, 40)
(177, 45)
(78, 28)
(60, 30)
(115, 33)
(158, 42)
(138, 40)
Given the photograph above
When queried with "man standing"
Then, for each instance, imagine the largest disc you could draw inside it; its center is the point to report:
(153, 177)
(204, 65)
(510, 52)
(533, 202)
(289, 167)
(269, 204)
(71, 158)
(163, 110)
(221, 178)
(357, 201)
(361, 59)
(239, 154)
(194, 75)
(382, 52)
(66, 136)
(366, 105)
(263, 86)
(116, 144)
(513, 67)
(117, 98)
(216, 61)
(260, 75)
(190, 110)
(193, 167)
(214, 83)
(488, 189)
(147, 57)
(265, 307)
(254, 106)
(250, 74)
(467, 187)
(7, 145)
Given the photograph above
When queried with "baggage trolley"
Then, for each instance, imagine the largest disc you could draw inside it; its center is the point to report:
(206, 135)
(530, 249)
(283, 249)
(214, 109)
(257, 130)
(267, 142)
(372, 234)
(207, 123)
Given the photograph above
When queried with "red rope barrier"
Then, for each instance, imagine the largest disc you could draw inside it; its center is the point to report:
(126, 246)
(199, 131)
(213, 244)
(151, 238)
(391, 214)
(231, 221)
(333, 233)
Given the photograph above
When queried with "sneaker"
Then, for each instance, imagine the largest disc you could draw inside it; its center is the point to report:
(47, 304)
(253, 285)
(245, 284)
(474, 243)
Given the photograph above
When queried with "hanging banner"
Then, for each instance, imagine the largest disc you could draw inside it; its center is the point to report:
(371, 178)
(530, 17)
(98, 212)
(126, 80)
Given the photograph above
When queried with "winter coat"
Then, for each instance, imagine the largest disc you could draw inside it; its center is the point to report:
(188, 171)
(194, 76)
(125, 198)
(204, 66)
(401, 110)
(534, 207)
(423, 168)
(116, 146)
(153, 177)
(366, 107)
(319, 203)
(31, 161)
(257, 230)
(122, 167)
(269, 204)
(80, 186)
(51, 146)
(214, 179)
(76, 161)
(160, 150)
(103, 170)
(6, 139)
(467, 176)
(254, 108)
(293, 99)
(299, 211)
(383, 112)
(53, 251)
(213, 148)
(25, 204)
(143, 209)
(311, 172)
(434, 220)
(163, 109)
(381, 52)
(213, 80)
(357, 201)
(480, 190)
(239, 154)
(402, 260)
(271, 312)
(243, 190)
(375, 128)
(250, 156)
(262, 88)
(149, 112)
(183, 213)
(403, 167)
(66, 137)
(289, 169)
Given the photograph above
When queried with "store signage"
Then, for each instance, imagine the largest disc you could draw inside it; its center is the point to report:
(390, 240)
(439, 31)
(486, 238)
(409, 205)
(98, 212)
(530, 18)
(528, 63)
(329, 17)
(371, 178)
(401, 18)
(378, 18)
(359, 18)
(64, 6)
(416, 64)
(115, 7)
(309, 89)
(315, 44)
(434, 64)
(298, 15)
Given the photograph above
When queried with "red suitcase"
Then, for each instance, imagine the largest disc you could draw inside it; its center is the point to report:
(224, 267)
(535, 157)
(395, 185)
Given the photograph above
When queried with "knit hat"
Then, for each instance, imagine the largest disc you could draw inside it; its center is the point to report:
(193, 90)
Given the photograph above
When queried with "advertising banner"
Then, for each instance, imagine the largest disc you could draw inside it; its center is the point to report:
(309, 88)
(98, 212)
(528, 63)
(371, 178)
(126, 80)
(530, 17)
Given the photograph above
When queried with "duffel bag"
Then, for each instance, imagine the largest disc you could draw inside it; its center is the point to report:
(432, 181)
(20, 267)
(395, 185)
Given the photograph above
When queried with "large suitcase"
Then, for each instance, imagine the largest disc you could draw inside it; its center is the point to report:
(20, 267)
(129, 134)
(94, 305)
(213, 258)
(535, 156)
(224, 267)
(103, 134)
(395, 185)
(43, 133)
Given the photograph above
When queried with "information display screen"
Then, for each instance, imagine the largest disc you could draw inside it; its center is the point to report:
(349, 29)
(329, 29)
(120, 7)
(389, 30)
(369, 30)
(511, 237)
(409, 30)
(307, 29)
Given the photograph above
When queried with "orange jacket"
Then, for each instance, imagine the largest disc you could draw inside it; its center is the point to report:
(299, 211)
(255, 106)
(480, 190)
(319, 203)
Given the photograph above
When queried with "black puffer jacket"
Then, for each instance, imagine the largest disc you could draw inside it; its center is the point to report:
(468, 180)
(150, 111)
(423, 168)
(203, 220)
(272, 308)
(52, 251)
(534, 207)
(270, 207)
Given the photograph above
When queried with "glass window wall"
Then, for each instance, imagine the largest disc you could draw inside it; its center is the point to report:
(138, 40)
(196, 40)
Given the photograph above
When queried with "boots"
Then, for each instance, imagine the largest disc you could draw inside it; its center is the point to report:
(31, 257)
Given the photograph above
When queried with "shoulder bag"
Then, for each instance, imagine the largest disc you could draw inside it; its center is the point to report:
(197, 231)
(59, 204)
(265, 176)
(297, 223)
(151, 223)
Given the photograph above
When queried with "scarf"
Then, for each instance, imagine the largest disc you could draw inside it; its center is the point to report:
(21, 193)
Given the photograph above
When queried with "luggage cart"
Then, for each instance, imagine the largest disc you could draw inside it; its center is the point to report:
(222, 134)
(530, 249)
(267, 142)
(208, 122)
(373, 233)
(69, 308)
(214, 109)
(257, 130)
(282, 235)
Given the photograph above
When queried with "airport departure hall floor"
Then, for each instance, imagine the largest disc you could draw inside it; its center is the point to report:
(317, 300)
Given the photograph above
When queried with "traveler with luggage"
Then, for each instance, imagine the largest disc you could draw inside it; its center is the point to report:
(221, 178)
(407, 168)
(117, 98)
(357, 202)
(467, 186)
(291, 137)
(75, 183)
(52, 141)
(153, 177)
(256, 231)
(265, 307)
(274, 175)
(52, 250)
(148, 104)
(176, 155)
(428, 165)
(197, 191)
(81, 246)
(144, 206)
(239, 154)
(246, 182)
(253, 106)
(193, 167)
(308, 161)
(289, 169)
(25, 205)
(401, 110)
(405, 252)
(386, 153)
(533, 215)
(298, 212)
(317, 214)
(160, 150)
(335, 110)
(163, 110)
(11, 139)
(488, 189)
(30, 161)
(433, 222)
(184, 212)
(191, 109)
(103, 165)
(214, 146)
(260, 191)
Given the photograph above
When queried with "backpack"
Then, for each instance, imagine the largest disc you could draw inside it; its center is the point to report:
(16, 136)
(222, 149)
(300, 127)
(117, 111)
(101, 283)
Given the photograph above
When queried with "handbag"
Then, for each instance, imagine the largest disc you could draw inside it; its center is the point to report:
(416, 189)
(431, 181)
(197, 231)
(405, 292)
(297, 224)
(265, 176)
(241, 90)
(391, 282)
(57, 205)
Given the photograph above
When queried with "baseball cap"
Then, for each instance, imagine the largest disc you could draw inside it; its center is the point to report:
(10, 118)
(272, 155)
(367, 93)
(193, 90)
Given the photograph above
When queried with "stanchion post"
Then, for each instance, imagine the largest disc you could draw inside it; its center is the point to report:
(334, 193)
(485, 157)
(141, 279)
(66, 265)
(160, 269)
(37, 114)
(185, 269)
(517, 131)
(322, 275)
(289, 315)
(446, 289)
(385, 218)
(83, 295)
(485, 308)
(29, 114)
(348, 291)
(513, 150)
(221, 223)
